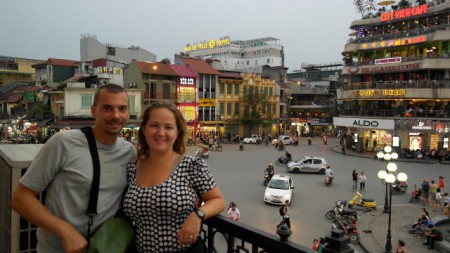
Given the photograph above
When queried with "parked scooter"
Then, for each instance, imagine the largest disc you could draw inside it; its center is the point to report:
(349, 227)
(339, 210)
(364, 204)
(415, 194)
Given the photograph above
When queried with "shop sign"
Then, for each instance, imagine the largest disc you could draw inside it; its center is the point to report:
(30, 96)
(207, 102)
(388, 60)
(404, 13)
(208, 44)
(393, 43)
(297, 120)
(186, 81)
(353, 70)
(376, 69)
(379, 93)
(422, 126)
(364, 123)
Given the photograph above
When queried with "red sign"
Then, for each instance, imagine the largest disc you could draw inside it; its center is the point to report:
(393, 43)
(404, 13)
(388, 60)
(297, 120)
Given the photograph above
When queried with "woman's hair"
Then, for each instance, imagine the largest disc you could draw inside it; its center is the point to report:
(402, 243)
(179, 146)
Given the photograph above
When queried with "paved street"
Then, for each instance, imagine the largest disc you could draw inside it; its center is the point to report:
(240, 176)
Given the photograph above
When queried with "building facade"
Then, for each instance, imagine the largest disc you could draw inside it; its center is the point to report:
(395, 88)
(239, 55)
(16, 69)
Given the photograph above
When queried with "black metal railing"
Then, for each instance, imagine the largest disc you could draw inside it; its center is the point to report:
(240, 237)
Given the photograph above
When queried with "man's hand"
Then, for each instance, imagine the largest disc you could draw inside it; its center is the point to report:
(72, 241)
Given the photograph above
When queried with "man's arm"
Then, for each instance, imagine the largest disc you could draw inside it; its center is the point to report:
(25, 202)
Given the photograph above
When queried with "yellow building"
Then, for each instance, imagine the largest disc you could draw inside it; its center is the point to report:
(16, 69)
(247, 104)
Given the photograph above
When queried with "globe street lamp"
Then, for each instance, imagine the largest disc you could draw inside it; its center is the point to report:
(391, 167)
(389, 179)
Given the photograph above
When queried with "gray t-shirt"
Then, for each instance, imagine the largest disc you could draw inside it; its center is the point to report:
(63, 167)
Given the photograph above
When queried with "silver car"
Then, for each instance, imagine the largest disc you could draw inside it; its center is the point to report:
(308, 164)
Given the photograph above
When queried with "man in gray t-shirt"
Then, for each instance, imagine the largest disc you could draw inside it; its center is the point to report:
(63, 167)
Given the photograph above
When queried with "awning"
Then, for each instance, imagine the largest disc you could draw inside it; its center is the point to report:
(71, 126)
(44, 123)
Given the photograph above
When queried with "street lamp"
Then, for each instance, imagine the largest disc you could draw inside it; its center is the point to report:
(389, 178)
(391, 167)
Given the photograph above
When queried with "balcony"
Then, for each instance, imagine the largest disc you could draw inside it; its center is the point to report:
(434, 114)
(441, 84)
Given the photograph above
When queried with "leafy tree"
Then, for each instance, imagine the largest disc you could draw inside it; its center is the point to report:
(39, 110)
(364, 7)
(254, 106)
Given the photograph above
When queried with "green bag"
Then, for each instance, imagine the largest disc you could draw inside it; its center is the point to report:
(115, 235)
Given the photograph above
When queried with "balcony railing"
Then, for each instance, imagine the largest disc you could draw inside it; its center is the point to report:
(371, 61)
(393, 113)
(159, 95)
(439, 84)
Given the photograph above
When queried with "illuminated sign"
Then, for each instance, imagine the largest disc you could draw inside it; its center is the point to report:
(388, 60)
(404, 13)
(353, 70)
(378, 93)
(188, 112)
(186, 81)
(207, 102)
(297, 120)
(210, 44)
(408, 66)
(393, 43)
(421, 126)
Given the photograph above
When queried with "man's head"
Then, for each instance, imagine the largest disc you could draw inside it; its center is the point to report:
(111, 112)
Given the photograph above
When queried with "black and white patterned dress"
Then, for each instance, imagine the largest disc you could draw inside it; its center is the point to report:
(159, 211)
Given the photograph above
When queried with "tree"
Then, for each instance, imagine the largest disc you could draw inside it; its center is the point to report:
(39, 110)
(364, 6)
(254, 106)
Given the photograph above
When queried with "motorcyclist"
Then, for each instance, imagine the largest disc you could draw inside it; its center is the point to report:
(280, 145)
(328, 173)
(309, 140)
(241, 145)
(204, 151)
(270, 170)
(288, 156)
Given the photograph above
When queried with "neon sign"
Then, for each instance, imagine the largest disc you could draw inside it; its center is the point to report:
(378, 93)
(388, 60)
(186, 81)
(393, 43)
(210, 44)
(390, 68)
(404, 13)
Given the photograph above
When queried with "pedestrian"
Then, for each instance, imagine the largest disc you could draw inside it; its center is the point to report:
(401, 247)
(433, 192)
(425, 192)
(367, 144)
(354, 180)
(441, 184)
(374, 143)
(64, 170)
(362, 181)
(433, 234)
(315, 245)
(233, 212)
(286, 217)
(164, 184)
(321, 244)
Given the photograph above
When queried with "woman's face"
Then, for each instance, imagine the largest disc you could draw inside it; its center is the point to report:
(160, 131)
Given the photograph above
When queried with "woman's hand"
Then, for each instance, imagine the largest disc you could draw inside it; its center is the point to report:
(189, 230)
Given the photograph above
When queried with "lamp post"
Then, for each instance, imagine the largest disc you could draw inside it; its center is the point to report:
(389, 178)
(391, 167)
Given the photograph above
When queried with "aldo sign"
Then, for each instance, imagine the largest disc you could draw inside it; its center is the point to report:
(364, 123)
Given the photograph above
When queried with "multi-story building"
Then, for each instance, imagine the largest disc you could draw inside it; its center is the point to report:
(16, 69)
(228, 97)
(313, 93)
(91, 49)
(396, 88)
(239, 55)
(54, 71)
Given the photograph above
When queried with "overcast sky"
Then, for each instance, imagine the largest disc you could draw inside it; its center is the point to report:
(311, 31)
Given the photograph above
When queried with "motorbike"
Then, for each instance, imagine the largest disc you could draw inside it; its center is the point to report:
(295, 143)
(365, 204)
(283, 160)
(349, 227)
(202, 154)
(339, 210)
(325, 141)
(415, 194)
(190, 142)
(241, 147)
(399, 187)
(216, 147)
(281, 148)
(266, 178)
(328, 180)
(309, 140)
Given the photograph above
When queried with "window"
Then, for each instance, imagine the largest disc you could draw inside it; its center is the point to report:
(245, 90)
(111, 51)
(268, 60)
(229, 108)
(86, 101)
(270, 91)
(236, 109)
(265, 91)
(236, 89)
(268, 109)
(222, 88)
(248, 62)
(222, 108)
(132, 104)
(229, 88)
(274, 110)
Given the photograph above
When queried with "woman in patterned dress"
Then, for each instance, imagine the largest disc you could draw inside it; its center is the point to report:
(164, 185)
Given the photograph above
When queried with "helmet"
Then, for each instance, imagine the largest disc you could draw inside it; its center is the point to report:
(270, 164)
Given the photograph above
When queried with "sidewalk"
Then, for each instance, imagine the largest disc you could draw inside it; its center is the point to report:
(373, 226)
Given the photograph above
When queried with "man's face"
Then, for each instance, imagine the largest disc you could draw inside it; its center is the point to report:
(111, 112)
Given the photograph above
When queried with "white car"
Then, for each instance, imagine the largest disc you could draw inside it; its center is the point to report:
(313, 164)
(284, 138)
(279, 190)
(253, 139)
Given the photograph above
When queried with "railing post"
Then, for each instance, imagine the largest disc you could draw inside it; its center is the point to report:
(337, 243)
